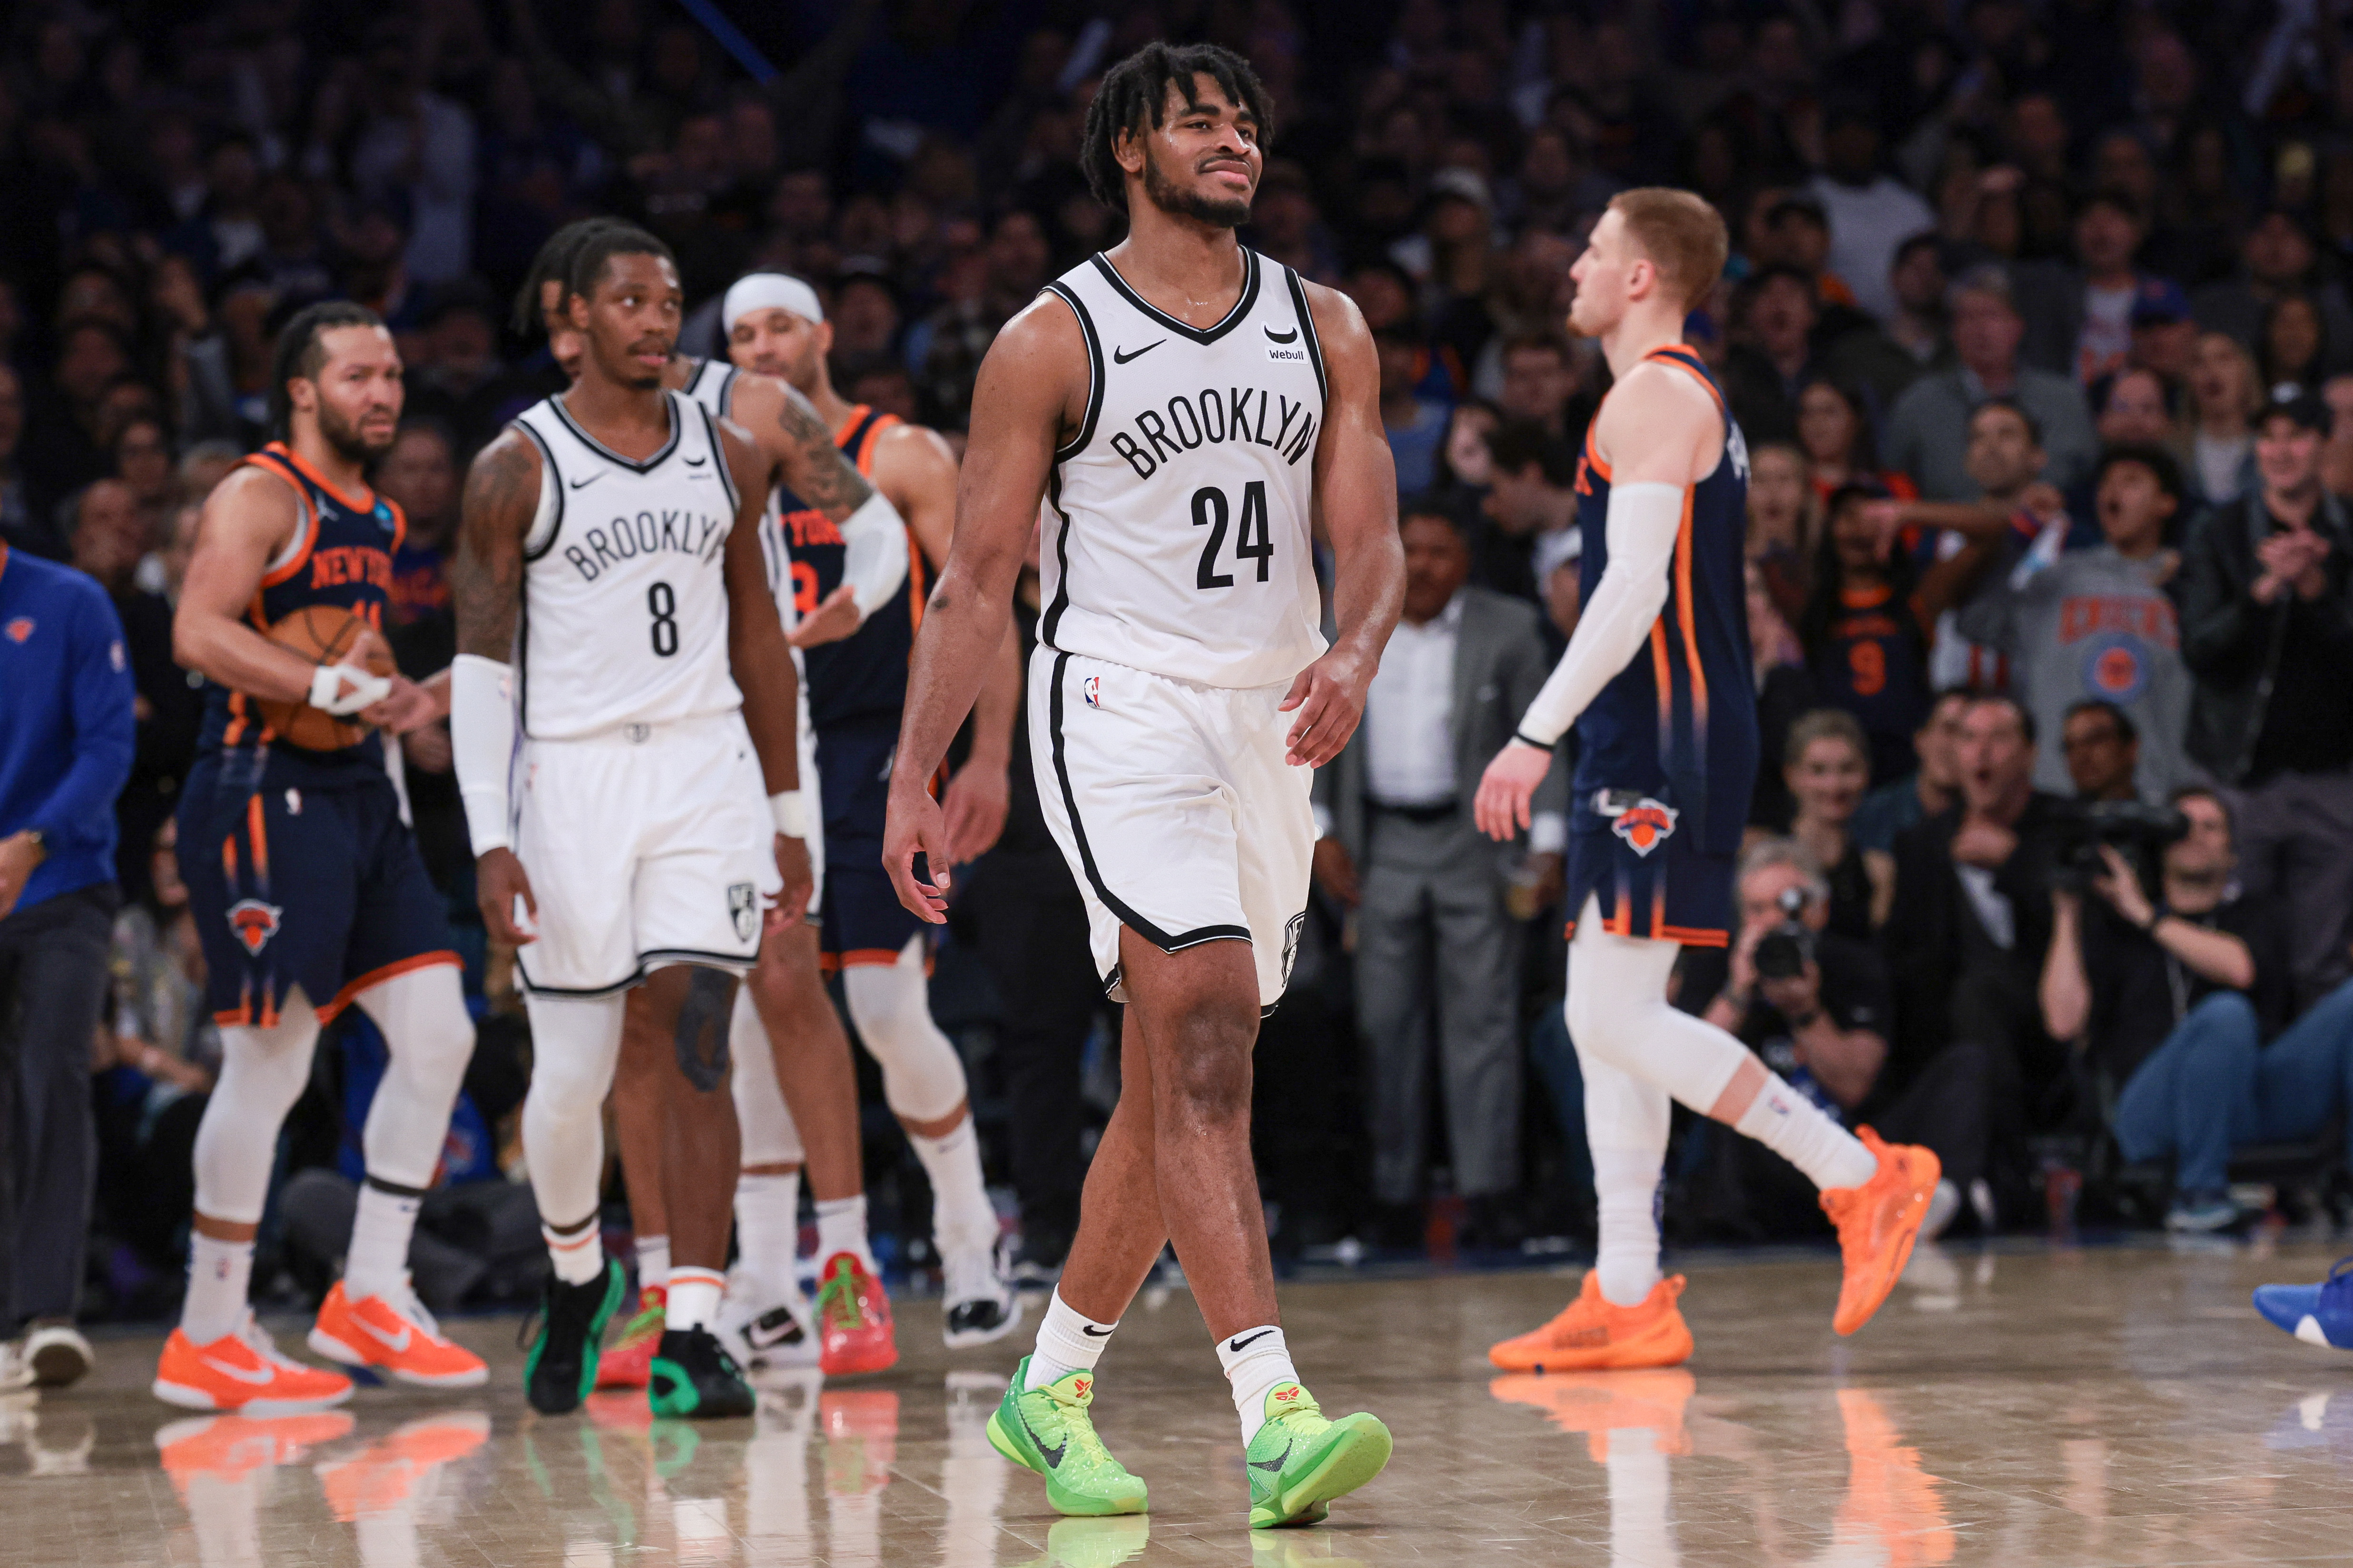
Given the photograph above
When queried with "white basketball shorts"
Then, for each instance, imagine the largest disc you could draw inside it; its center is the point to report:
(648, 845)
(812, 797)
(1175, 809)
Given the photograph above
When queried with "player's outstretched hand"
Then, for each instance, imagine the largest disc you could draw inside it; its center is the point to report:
(1500, 807)
(409, 706)
(500, 883)
(916, 827)
(792, 903)
(831, 621)
(974, 809)
(1329, 696)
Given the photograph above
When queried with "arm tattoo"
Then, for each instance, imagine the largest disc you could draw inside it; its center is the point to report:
(818, 470)
(486, 577)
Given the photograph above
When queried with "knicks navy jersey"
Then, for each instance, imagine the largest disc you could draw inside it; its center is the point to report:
(863, 676)
(1667, 752)
(341, 554)
(1874, 663)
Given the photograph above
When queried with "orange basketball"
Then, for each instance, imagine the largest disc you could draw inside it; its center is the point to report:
(324, 634)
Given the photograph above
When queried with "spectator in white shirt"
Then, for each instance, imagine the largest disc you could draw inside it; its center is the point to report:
(1870, 212)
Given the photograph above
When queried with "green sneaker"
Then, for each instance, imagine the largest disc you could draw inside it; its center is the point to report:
(1299, 1462)
(1049, 1430)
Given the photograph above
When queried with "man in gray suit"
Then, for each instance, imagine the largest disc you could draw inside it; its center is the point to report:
(1438, 946)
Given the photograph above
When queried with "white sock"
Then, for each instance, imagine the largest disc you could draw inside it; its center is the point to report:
(1626, 1185)
(1068, 1342)
(578, 1255)
(693, 1298)
(1257, 1362)
(653, 1263)
(768, 1227)
(962, 1216)
(1794, 1128)
(377, 1264)
(841, 1227)
(220, 1275)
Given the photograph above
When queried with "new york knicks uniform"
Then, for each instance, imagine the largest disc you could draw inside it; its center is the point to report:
(641, 812)
(857, 691)
(1180, 602)
(1667, 752)
(300, 868)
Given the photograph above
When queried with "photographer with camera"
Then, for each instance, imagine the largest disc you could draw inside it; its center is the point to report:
(1817, 1007)
(2173, 997)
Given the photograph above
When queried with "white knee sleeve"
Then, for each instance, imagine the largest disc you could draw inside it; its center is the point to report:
(262, 1074)
(922, 1077)
(1618, 1014)
(429, 1038)
(573, 1046)
(769, 1134)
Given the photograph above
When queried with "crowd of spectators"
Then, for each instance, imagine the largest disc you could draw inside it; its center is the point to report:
(2036, 325)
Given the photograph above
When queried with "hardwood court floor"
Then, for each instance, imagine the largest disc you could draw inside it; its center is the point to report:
(2027, 1406)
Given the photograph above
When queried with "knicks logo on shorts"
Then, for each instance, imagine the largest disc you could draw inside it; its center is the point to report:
(1645, 825)
(255, 922)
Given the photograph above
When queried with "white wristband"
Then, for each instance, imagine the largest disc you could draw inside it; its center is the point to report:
(345, 688)
(790, 809)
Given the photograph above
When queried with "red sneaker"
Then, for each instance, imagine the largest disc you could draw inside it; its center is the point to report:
(399, 1338)
(629, 1364)
(243, 1371)
(853, 1318)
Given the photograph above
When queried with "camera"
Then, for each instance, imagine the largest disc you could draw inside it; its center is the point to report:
(2139, 832)
(1783, 952)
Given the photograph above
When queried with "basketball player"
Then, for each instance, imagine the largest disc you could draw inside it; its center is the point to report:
(304, 879)
(657, 1108)
(654, 695)
(857, 687)
(1186, 411)
(1661, 794)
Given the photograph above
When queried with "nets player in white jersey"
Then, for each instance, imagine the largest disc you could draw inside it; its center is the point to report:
(1190, 414)
(856, 685)
(613, 605)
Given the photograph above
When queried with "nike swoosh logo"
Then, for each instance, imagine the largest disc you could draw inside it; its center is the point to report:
(1275, 1464)
(1120, 357)
(1239, 1344)
(696, 462)
(257, 1378)
(1089, 1329)
(774, 1328)
(390, 1342)
(584, 484)
(1274, 337)
(1053, 1457)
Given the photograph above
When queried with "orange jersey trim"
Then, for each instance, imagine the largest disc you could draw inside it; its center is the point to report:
(1691, 936)
(863, 958)
(282, 450)
(374, 977)
(1685, 614)
(257, 838)
(271, 459)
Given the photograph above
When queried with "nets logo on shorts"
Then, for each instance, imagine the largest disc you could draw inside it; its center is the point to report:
(744, 909)
(255, 922)
(1292, 930)
(1645, 825)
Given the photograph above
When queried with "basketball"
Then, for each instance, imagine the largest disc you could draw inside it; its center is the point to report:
(324, 634)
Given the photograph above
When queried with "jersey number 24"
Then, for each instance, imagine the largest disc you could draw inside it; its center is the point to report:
(1251, 540)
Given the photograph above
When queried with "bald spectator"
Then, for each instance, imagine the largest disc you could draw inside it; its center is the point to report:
(1928, 431)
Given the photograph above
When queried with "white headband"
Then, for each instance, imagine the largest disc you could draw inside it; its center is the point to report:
(768, 291)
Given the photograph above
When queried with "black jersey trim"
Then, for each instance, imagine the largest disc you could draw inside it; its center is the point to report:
(719, 461)
(1070, 296)
(602, 450)
(1232, 319)
(734, 962)
(1307, 328)
(555, 476)
(1053, 619)
(726, 398)
(1164, 941)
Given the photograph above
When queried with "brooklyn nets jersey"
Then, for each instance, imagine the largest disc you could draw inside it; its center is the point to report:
(624, 595)
(1177, 522)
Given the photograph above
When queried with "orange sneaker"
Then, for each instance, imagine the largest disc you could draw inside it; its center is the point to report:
(1592, 1335)
(231, 1447)
(853, 1318)
(244, 1370)
(1597, 1404)
(1890, 1502)
(1877, 1223)
(630, 1363)
(400, 1340)
(382, 1476)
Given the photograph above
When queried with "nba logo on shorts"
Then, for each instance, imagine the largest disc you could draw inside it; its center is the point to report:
(254, 921)
(744, 909)
(1645, 825)
(1092, 688)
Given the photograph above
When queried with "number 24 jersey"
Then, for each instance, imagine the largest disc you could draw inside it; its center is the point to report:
(624, 594)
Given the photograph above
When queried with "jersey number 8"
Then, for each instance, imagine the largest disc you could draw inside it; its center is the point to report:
(1251, 540)
(663, 605)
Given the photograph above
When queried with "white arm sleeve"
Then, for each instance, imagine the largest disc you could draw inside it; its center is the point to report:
(481, 744)
(875, 563)
(1643, 521)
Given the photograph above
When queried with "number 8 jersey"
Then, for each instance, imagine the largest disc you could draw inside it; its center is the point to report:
(625, 596)
(1176, 525)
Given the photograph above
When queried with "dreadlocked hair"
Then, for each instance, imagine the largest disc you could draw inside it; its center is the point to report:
(299, 354)
(1133, 98)
(552, 265)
